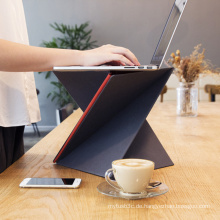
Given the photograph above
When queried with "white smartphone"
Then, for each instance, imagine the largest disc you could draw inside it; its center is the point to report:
(51, 183)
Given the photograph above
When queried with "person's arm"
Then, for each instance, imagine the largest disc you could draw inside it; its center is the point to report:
(15, 57)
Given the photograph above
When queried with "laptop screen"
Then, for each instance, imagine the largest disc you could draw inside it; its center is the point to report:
(168, 32)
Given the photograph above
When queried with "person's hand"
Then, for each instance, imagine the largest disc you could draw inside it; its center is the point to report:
(110, 55)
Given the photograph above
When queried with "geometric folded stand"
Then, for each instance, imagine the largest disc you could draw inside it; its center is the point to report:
(113, 125)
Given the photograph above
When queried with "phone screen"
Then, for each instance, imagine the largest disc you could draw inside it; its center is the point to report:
(51, 181)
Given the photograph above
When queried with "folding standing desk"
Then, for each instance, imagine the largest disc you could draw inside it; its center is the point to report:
(113, 125)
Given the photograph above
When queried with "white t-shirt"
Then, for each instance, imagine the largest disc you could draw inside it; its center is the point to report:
(18, 98)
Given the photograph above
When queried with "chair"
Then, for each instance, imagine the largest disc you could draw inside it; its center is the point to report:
(212, 90)
(164, 90)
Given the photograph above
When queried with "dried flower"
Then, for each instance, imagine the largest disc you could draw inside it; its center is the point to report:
(172, 55)
(189, 68)
(178, 52)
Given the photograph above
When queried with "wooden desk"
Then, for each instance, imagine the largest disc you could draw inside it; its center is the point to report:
(192, 143)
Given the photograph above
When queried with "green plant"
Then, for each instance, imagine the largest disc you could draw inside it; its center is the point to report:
(72, 37)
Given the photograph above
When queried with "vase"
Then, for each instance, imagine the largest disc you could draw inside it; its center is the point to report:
(187, 99)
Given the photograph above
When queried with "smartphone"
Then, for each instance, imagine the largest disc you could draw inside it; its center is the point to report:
(70, 183)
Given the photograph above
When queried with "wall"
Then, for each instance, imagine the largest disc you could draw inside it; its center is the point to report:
(136, 24)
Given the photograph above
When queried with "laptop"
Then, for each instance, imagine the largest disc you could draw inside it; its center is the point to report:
(160, 51)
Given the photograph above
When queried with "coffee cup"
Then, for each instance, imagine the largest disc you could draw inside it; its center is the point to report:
(132, 175)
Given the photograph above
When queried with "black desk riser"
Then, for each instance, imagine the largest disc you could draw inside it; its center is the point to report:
(113, 126)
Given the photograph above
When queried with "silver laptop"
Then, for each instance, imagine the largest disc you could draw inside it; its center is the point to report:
(160, 51)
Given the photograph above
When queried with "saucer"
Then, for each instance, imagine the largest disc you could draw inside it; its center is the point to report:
(106, 189)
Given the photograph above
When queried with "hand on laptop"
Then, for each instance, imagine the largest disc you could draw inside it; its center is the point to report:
(109, 54)
(15, 57)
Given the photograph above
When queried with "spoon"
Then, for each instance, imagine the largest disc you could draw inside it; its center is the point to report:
(153, 185)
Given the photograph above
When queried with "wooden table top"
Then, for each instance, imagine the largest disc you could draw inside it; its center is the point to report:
(192, 143)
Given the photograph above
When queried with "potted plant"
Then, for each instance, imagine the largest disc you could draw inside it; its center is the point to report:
(71, 37)
(188, 70)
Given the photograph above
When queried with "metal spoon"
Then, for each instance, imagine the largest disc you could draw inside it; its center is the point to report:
(153, 185)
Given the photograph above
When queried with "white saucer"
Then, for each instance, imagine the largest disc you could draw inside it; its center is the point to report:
(108, 190)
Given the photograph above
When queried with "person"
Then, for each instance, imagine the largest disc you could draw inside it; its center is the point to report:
(16, 57)
(18, 60)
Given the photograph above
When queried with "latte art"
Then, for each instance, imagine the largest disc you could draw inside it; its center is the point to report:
(132, 163)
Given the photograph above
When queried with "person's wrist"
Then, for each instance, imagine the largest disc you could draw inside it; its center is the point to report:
(80, 57)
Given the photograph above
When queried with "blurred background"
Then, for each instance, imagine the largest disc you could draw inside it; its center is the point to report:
(135, 24)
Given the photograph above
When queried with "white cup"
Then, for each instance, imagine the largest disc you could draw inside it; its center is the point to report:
(132, 175)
